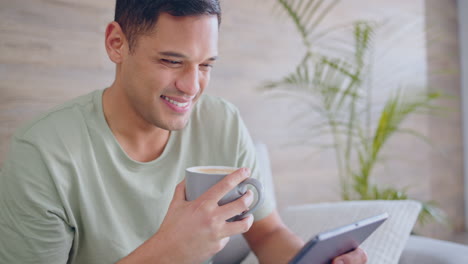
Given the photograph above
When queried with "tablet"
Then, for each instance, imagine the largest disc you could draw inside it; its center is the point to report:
(325, 246)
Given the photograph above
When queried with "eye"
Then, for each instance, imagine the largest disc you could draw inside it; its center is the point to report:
(173, 62)
(206, 66)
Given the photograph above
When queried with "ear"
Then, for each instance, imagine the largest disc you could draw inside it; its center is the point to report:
(115, 42)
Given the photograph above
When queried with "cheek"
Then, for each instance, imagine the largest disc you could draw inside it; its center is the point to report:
(162, 79)
(155, 79)
(136, 74)
(204, 79)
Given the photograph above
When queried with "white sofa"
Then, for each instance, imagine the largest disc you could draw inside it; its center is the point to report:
(390, 244)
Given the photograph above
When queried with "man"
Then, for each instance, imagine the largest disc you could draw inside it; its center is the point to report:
(100, 179)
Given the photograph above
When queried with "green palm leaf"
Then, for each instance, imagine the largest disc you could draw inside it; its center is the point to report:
(307, 15)
(337, 82)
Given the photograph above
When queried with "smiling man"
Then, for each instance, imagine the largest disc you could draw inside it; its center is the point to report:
(100, 178)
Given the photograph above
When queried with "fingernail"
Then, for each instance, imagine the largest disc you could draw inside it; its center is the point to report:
(339, 262)
(251, 219)
(246, 171)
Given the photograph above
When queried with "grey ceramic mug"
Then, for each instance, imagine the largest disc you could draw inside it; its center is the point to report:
(200, 179)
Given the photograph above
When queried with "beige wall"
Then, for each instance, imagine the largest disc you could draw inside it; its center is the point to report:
(447, 180)
(52, 50)
(246, 64)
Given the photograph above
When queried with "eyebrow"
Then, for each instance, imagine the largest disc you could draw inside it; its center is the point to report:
(180, 55)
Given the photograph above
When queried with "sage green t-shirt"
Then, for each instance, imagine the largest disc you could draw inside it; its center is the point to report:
(70, 194)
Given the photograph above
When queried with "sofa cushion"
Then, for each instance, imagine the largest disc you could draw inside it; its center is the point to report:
(384, 246)
(433, 251)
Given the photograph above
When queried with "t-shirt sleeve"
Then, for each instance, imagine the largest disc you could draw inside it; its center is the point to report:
(248, 158)
(33, 227)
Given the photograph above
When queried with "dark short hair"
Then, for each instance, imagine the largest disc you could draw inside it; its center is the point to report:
(138, 17)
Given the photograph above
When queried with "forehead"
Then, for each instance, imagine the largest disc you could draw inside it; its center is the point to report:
(195, 36)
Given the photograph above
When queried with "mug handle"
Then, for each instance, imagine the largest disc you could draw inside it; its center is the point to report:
(243, 189)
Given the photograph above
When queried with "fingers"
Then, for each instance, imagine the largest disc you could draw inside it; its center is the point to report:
(225, 185)
(357, 256)
(238, 206)
(207, 203)
(237, 227)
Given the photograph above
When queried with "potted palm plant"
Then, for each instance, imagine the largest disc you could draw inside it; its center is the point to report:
(340, 91)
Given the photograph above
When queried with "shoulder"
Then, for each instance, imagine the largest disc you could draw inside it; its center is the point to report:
(215, 109)
(218, 121)
(213, 104)
(60, 120)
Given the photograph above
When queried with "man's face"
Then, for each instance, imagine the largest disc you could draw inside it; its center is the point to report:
(169, 69)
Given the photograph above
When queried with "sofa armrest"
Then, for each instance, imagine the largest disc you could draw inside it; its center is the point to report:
(432, 251)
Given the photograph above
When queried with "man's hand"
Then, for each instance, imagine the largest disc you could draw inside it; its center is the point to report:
(193, 231)
(273, 242)
(357, 256)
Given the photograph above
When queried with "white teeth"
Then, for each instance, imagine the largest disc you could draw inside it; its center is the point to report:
(174, 102)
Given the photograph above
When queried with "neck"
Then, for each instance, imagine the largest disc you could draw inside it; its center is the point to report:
(141, 140)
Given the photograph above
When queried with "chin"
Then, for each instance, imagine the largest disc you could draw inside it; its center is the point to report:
(175, 126)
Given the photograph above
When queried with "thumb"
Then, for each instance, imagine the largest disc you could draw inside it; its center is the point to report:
(224, 242)
(179, 193)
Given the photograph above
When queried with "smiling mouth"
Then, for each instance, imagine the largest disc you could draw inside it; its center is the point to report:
(175, 102)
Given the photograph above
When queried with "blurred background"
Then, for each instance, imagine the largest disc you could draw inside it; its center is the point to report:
(53, 50)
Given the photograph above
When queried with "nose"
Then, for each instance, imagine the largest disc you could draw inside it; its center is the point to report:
(189, 81)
